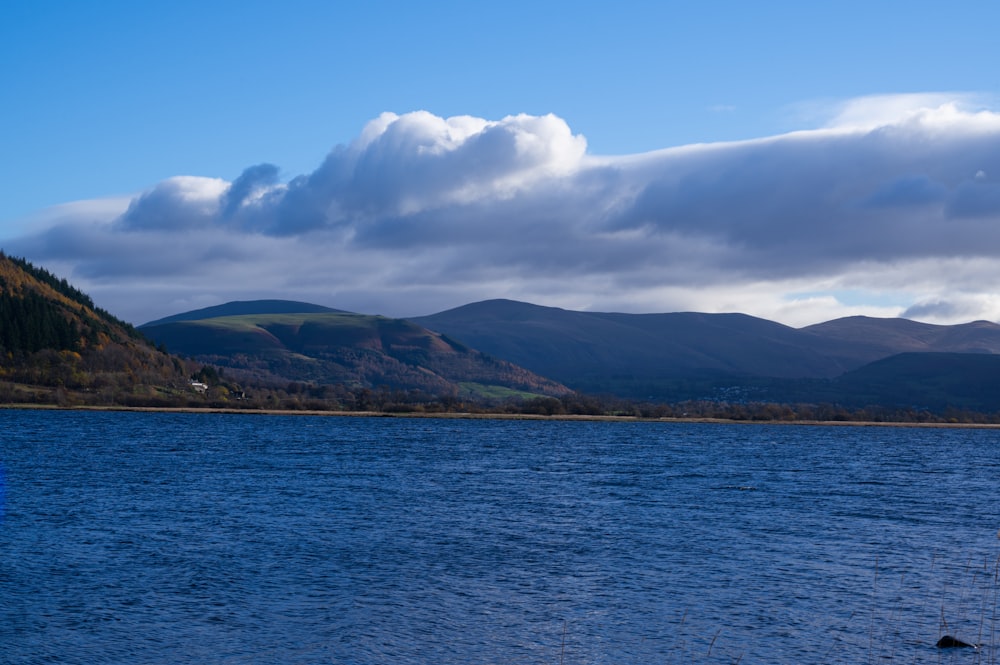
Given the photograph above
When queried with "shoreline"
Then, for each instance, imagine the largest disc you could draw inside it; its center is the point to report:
(497, 416)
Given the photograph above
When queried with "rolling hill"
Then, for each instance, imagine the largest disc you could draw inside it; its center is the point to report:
(238, 307)
(658, 357)
(53, 342)
(681, 355)
(333, 347)
(932, 381)
(862, 339)
(587, 348)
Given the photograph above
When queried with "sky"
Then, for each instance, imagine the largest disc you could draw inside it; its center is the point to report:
(794, 161)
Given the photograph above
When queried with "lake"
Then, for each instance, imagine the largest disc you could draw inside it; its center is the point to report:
(167, 537)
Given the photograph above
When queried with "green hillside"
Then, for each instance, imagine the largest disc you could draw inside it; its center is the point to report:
(355, 350)
(240, 307)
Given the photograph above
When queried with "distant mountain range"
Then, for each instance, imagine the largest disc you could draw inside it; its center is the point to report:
(659, 357)
(687, 355)
(56, 347)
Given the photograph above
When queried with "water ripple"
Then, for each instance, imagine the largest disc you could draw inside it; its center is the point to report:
(156, 538)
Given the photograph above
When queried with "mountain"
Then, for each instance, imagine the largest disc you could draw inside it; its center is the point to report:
(56, 346)
(932, 381)
(332, 347)
(681, 355)
(54, 342)
(239, 307)
(862, 339)
(585, 348)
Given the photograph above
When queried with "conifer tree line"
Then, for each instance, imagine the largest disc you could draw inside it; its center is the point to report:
(30, 323)
(61, 286)
(44, 276)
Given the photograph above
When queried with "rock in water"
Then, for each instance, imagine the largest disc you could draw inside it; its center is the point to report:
(949, 642)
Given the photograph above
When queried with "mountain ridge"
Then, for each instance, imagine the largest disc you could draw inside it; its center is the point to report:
(336, 347)
(689, 355)
(237, 307)
(292, 352)
(655, 355)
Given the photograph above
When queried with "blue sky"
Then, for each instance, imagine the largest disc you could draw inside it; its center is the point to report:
(107, 101)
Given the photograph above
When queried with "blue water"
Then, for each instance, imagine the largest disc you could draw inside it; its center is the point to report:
(161, 538)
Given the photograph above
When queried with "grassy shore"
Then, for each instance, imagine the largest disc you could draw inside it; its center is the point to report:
(498, 416)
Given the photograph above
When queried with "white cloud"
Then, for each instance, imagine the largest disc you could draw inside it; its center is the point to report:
(93, 210)
(406, 164)
(176, 203)
(421, 213)
(866, 113)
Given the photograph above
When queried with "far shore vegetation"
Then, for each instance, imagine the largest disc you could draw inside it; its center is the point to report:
(209, 389)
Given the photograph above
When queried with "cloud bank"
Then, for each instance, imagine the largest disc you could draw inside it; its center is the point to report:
(891, 208)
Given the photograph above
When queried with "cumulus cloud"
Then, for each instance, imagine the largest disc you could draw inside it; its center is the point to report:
(420, 213)
(181, 202)
(406, 165)
(249, 189)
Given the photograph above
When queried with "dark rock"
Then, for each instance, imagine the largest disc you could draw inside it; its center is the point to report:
(949, 642)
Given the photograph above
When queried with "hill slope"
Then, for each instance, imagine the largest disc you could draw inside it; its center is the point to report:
(238, 307)
(676, 356)
(635, 355)
(933, 381)
(863, 339)
(352, 349)
(53, 338)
